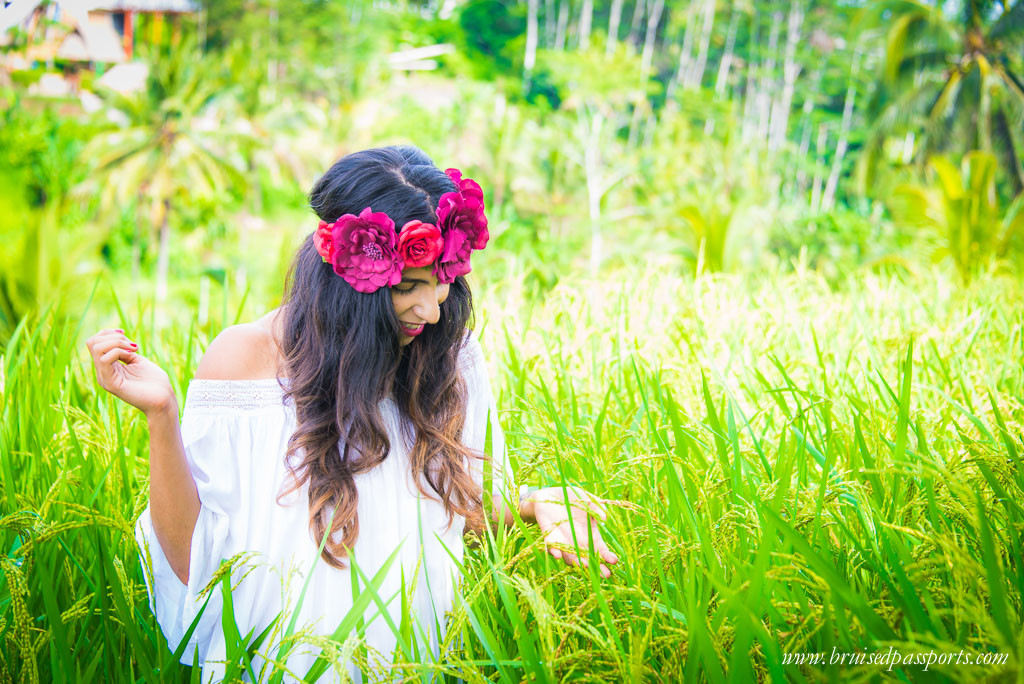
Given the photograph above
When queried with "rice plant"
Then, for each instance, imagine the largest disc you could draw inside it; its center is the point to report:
(794, 470)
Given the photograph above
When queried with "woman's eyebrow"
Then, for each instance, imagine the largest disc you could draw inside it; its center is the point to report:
(415, 280)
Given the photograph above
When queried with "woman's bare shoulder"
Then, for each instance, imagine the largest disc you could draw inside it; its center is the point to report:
(240, 352)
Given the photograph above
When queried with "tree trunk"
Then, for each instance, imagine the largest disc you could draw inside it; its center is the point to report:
(563, 24)
(531, 40)
(549, 22)
(828, 199)
(679, 78)
(613, 27)
(696, 75)
(767, 78)
(805, 137)
(649, 38)
(164, 256)
(790, 70)
(750, 90)
(634, 24)
(586, 20)
(724, 65)
(730, 46)
(820, 160)
(650, 34)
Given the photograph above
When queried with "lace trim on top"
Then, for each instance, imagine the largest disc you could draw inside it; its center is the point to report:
(235, 394)
(249, 395)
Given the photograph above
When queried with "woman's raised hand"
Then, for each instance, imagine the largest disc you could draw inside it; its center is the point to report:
(138, 381)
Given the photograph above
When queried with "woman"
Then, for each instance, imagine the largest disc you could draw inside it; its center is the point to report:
(374, 335)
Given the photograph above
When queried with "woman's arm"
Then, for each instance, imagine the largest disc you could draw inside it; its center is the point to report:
(173, 499)
(174, 502)
(239, 352)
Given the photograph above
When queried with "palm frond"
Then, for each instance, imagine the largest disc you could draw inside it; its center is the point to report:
(1010, 24)
(924, 61)
(896, 43)
(1002, 135)
(945, 103)
(1013, 83)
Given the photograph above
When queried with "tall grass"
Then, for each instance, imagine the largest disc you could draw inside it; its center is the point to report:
(800, 469)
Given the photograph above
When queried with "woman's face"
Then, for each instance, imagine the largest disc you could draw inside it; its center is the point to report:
(417, 301)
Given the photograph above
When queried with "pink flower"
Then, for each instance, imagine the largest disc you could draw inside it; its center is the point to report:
(446, 273)
(460, 216)
(366, 250)
(419, 243)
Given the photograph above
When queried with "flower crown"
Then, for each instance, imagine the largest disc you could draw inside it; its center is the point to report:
(368, 253)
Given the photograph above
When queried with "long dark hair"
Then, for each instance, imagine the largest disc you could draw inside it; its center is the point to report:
(342, 358)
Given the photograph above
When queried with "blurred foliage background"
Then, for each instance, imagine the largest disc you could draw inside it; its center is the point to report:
(703, 135)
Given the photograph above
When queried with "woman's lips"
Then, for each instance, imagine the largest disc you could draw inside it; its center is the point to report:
(414, 332)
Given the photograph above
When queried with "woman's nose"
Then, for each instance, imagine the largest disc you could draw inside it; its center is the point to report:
(428, 307)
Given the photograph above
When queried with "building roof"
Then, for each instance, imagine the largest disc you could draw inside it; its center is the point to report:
(92, 42)
(80, 34)
(179, 6)
(19, 11)
(16, 13)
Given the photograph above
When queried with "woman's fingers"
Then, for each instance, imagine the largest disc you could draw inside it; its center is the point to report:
(601, 549)
(102, 344)
(101, 335)
(106, 348)
(573, 560)
(115, 354)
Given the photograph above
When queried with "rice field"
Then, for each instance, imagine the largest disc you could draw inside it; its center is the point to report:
(801, 473)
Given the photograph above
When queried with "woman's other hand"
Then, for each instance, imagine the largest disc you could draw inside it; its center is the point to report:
(558, 525)
(137, 381)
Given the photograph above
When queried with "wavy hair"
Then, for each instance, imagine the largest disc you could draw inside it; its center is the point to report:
(342, 358)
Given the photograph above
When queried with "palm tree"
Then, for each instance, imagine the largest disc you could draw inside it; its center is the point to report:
(962, 212)
(953, 78)
(170, 147)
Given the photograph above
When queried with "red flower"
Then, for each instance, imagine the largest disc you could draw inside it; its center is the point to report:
(324, 241)
(366, 250)
(419, 243)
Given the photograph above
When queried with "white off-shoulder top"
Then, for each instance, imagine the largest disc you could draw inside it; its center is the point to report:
(235, 434)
